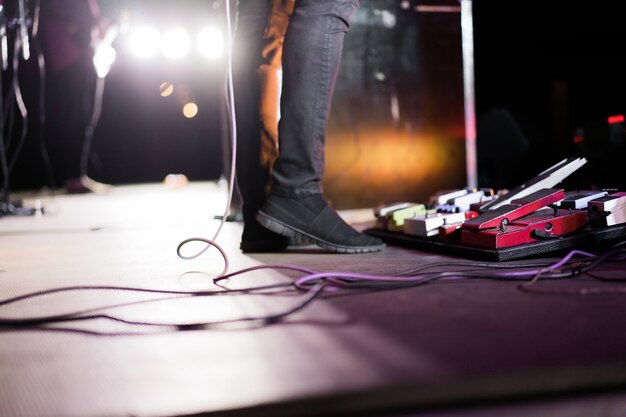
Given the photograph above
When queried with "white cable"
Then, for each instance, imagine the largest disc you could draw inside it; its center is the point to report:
(232, 116)
(233, 140)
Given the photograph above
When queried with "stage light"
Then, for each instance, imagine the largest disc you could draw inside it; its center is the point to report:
(210, 42)
(176, 43)
(145, 42)
(103, 58)
(190, 110)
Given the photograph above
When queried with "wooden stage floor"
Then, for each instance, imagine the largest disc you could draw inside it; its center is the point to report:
(454, 348)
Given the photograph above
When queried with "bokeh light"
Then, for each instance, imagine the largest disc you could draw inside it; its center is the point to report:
(210, 43)
(145, 42)
(166, 89)
(176, 43)
(190, 110)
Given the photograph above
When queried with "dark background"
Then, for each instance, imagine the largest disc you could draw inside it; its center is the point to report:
(545, 73)
(557, 69)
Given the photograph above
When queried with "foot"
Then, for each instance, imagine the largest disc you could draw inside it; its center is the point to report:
(258, 239)
(313, 219)
(85, 184)
(95, 186)
(76, 186)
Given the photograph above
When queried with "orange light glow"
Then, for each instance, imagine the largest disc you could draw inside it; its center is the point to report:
(387, 165)
(166, 89)
(190, 110)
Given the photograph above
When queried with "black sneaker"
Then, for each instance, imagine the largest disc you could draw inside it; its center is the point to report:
(258, 239)
(313, 219)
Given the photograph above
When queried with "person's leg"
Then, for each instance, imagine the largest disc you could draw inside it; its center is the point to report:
(270, 79)
(261, 25)
(311, 57)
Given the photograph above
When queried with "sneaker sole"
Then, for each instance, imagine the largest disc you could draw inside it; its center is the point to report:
(283, 229)
(261, 247)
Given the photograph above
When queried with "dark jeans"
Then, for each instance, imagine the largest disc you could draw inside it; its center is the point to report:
(313, 44)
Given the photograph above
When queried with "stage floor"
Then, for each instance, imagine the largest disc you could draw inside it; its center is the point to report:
(459, 348)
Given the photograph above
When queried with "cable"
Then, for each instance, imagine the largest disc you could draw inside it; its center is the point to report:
(82, 316)
(312, 284)
(311, 295)
(233, 138)
(51, 291)
(233, 116)
(618, 253)
(473, 264)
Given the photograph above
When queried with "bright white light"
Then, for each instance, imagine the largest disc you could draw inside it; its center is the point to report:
(145, 42)
(210, 42)
(103, 58)
(176, 43)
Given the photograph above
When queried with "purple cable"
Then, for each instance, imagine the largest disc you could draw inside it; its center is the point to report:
(336, 278)
(269, 266)
(302, 282)
(568, 257)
